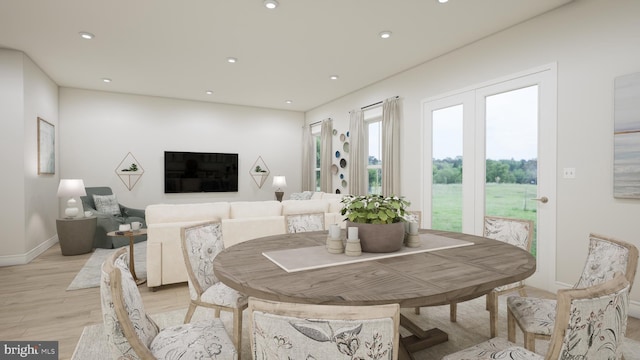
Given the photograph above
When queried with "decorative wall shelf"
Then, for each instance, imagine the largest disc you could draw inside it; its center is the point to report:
(259, 172)
(129, 171)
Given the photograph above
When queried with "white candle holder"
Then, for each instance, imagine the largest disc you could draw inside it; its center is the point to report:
(413, 241)
(353, 247)
(335, 246)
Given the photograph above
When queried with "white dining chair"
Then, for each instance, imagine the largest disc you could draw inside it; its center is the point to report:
(517, 232)
(201, 243)
(590, 324)
(132, 334)
(280, 330)
(304, 222)
(535, 316)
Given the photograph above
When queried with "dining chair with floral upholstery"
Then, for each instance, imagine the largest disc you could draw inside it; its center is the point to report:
(296, 223)
(280, 330)
(517, 232)
(201, 243)
(132, 334)
(535, 316)
(590, 324)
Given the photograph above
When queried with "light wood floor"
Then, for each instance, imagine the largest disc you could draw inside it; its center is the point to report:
(34, 304)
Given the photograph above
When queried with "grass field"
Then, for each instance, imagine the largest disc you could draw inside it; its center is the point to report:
(506, 200)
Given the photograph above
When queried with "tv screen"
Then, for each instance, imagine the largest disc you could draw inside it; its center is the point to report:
(186, 172)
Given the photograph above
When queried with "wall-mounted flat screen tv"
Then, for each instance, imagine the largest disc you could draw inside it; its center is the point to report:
(187, 172)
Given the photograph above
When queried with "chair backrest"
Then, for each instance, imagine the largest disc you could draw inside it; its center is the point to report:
(323, 332)
(606, 257)
(296, 223)
(128, 327)
(201, 243)
(591, 322)
(516, 232)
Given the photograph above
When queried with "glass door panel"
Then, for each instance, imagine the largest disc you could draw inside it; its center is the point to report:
(511, 156)
(446, 190)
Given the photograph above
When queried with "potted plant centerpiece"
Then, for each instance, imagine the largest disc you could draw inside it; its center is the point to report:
(379, 219)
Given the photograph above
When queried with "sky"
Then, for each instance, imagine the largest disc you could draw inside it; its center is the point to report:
(511, 127)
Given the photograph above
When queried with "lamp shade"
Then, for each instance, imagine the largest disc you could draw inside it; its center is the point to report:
(279, 182)
(71, 188)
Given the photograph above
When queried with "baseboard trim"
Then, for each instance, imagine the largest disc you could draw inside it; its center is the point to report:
(21, 259)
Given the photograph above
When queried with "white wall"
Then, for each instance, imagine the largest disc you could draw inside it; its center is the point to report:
(593, 42)
(98, 129)
(29, 199)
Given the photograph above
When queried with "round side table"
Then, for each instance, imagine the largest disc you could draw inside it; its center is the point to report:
(76, 234)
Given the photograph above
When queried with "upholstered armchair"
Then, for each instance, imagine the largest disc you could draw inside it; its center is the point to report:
(132, 334)
(304, 222)
(535, 316)
(200, 245)
(282, 330)
(110, 216)
(590, 323)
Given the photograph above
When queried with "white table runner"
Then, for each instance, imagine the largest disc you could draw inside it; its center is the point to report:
(315, 257)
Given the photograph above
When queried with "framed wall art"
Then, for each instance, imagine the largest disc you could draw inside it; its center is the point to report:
(46, 147)
(626, 137)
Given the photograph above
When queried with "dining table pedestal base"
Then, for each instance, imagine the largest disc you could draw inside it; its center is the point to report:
(420, 339)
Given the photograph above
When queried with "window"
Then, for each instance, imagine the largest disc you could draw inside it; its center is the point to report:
(373, 126)
(315, 136)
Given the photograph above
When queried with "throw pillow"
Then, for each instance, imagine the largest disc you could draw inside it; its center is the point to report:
(107, 204)
(305, 195)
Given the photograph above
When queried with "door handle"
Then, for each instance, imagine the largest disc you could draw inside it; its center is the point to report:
(543, 199)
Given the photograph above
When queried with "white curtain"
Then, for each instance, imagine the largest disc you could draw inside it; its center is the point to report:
(308, 160)
(325, 155)
(358, 154)
(391, 117)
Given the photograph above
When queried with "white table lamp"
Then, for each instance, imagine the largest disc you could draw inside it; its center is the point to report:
(71, 188)
(279, 182)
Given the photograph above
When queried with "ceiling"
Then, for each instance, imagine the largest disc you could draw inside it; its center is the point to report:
(178, 48)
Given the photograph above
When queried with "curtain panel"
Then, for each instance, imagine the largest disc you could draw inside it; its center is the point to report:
(308, 160)
(391, 117)
(325, 155)
(358, 154)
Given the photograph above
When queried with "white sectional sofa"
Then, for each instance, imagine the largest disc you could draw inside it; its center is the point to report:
(241, 221)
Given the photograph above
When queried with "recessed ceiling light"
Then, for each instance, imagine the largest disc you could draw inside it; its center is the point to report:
(86, 35)
(232, 60)
(443, 1)
(288, 102)
(106, 80)
(385, 34)
(270, 4)
(209, 92)
(333, 77)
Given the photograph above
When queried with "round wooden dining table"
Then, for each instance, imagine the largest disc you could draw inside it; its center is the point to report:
(414, 280)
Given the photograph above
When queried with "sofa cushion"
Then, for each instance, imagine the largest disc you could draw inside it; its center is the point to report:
(235, 231)
(252, 209)
(304, 206)
(107, 204)
(168, 213)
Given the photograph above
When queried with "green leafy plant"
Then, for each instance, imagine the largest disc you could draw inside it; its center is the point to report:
(374, 209)
(259, 169)
(133, 167)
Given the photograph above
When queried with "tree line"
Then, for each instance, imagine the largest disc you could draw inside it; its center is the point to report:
(449, 171)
